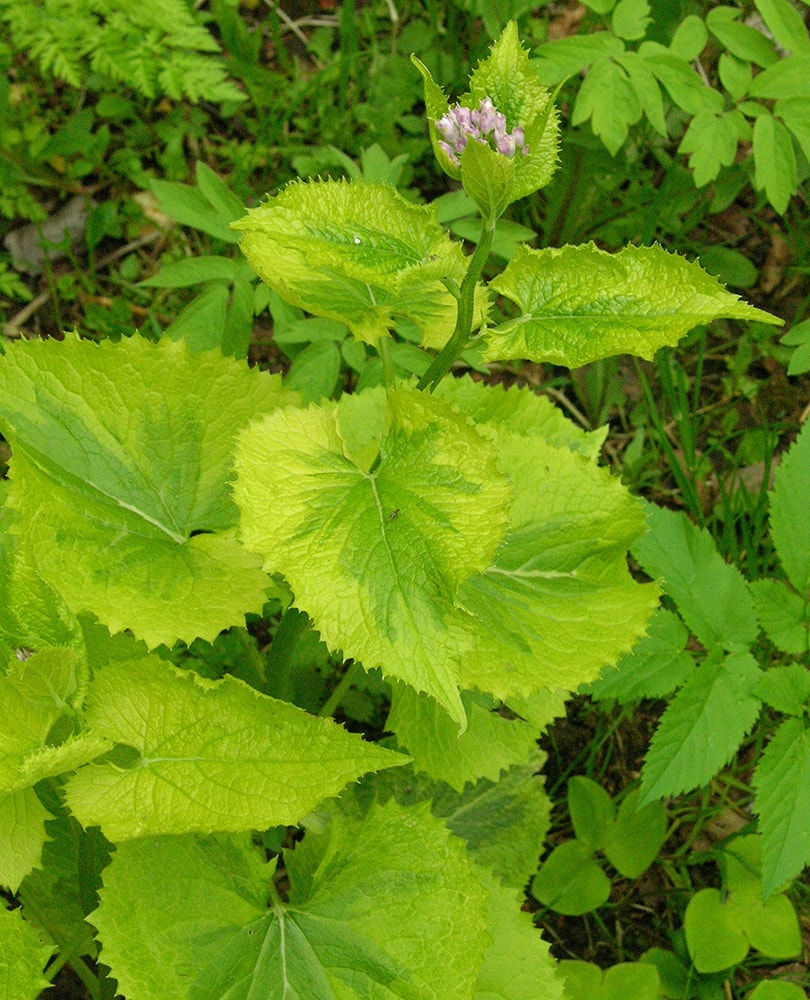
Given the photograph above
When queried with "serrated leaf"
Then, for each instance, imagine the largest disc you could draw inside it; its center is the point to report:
(774, 161)
(212, 755)
(516, 965)
(786, 689)
(120, 473)
(570, 881)
(358, 253)
(22, 835)
(558, 602)
(634, 838)
(609, 99)
(579, 303)
(387, 907)
(784, 615)
(711, 594)
(490, 743)
(22, 958)
(790, 513)
(702, 726)
(521, 411)
(591, 810)
(376, 557)
(654, 668)
(782, 783)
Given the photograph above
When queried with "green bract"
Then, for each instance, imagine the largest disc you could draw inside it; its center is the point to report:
(359, 253)
(509, 80)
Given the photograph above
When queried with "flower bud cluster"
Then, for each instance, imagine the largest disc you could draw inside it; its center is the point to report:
(485, 124)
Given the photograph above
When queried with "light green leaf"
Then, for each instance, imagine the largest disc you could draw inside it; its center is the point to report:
(376, 557)
(591, 810)
(22, 958)
(784, 614)
(620, 981)
(490, 744)
(776, 989)
(190, 207)
(211, 755)
(790, 513)
(564, 57)
(521, 411)
(713, 934)
(786, 25)
(22, 835)
(190, 271)
(489, 179)
(654, 668)
(702, 727)
(689, 39)
(558, 603)
(735, 75)
(356, 252)
(685, 87)
(795, 113)
(741, 40)
(314, 372)
(517, 964)
(386, 907)
(646, 88)
(120, 472)
(786, 689)
(570, 881)
(579, 303)
(634, 838)
(609, 99)
(712, 142)
(774, 161)
(202, 322)
(630, 19)
(711, 595)
(782, 782)
(785, 79)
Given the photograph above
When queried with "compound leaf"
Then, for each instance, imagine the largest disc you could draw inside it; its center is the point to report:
(375, 557)
(211, 755)
(388, 906)
(119, 475)
(702, 726)
(580, 303)
(607, 96)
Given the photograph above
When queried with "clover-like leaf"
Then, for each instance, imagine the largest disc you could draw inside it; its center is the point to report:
(375, 554)
(578, 303)
(211, 755)
(121, 458)
(356, 252)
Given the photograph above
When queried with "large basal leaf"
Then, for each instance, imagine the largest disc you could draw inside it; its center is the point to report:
(782, 782)
(387, 907)
(702, 726)
(22, 958)
(119, 474)
(211, 755)
(376, 557)
(711, 594)
(490, 744)
(358, 253)
(579, 304)
(558, 602)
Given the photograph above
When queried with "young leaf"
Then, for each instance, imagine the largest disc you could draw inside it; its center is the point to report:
(714, 937)
(702, 726)
(654, 668)
(490, 744)
(120, 473)
(789, 517)
(782, 782)
(22, 958)
(591, 810)
(558, 602)
(389, 906)
(358, 253)
(579, 303)
(625, 979)
(212, 755)
(711, 595)
(634, 838)
(570, 881)
(22, 835)
(375, 557)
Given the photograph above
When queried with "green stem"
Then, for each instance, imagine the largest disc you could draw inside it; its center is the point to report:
(384, 349)
(337, 696)
(464, 318)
